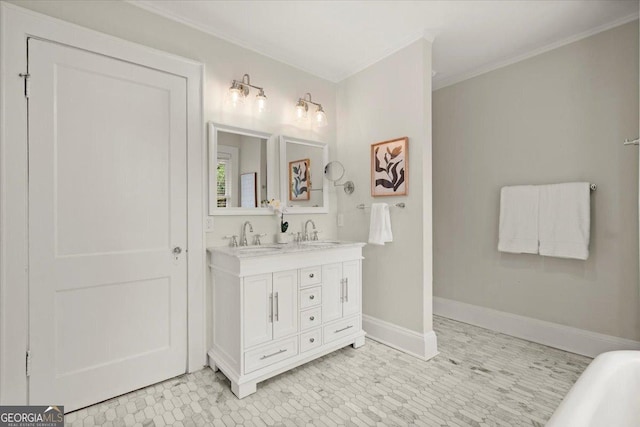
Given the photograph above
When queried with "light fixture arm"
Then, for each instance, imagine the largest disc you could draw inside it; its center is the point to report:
(245, 84)
(306, 101)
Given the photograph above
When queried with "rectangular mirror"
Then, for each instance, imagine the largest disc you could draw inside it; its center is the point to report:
(303, 186)
(241, 169)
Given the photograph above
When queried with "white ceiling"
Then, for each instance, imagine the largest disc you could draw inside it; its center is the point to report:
(335, 39)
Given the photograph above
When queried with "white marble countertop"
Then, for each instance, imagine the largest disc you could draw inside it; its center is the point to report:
(279, 249)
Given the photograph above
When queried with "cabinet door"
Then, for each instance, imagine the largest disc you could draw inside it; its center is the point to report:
(285, 303)
(331, 292)
(257, 309)
(351, 298)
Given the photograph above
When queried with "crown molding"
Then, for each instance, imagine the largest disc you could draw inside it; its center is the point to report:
(150, 7)
(334, 78)
(449, 81)
(407, 41)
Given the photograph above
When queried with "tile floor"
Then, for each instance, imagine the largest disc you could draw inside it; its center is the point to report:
(480, 378)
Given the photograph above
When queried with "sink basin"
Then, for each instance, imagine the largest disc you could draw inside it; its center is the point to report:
(321, 243)
(257, 249)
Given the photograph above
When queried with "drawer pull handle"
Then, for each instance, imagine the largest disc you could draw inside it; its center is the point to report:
(312, 339)
(343, 329)
(312, 297)
(273, 354)
(311, 275)
(312, 318)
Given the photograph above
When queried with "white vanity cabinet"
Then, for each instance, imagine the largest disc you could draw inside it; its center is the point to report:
(341, 289)
(275, 308)
(270, 302)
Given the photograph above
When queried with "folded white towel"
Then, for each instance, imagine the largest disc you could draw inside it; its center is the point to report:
(380, 224)
(518, 231)
(565, 219)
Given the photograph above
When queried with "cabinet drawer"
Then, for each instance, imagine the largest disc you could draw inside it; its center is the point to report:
(310, 276)
(341, 329)
(270, 354)
(310, 340)
(310, 318)
(310, 297)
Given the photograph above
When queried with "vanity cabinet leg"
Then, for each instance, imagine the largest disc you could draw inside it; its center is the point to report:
(243, 390)
(359, 342)
(212, 364)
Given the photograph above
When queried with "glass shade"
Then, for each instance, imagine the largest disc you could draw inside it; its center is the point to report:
(261, 102)
(301, 111)
(320, 118)
(236, 96)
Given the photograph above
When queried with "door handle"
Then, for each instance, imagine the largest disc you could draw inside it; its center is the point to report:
(341, 290)
(177, 250)
(277, 308)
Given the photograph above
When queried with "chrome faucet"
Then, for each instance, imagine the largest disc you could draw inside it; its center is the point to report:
(305, 236)
(243, 236)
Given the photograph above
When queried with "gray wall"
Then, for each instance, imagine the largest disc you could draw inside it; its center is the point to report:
(560, 116)
(376, 105)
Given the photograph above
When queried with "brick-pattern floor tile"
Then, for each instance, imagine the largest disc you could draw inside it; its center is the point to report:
(480, 378)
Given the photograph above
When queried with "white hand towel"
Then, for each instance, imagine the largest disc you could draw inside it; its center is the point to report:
(565, 220)
(518, 231)
(380, 224)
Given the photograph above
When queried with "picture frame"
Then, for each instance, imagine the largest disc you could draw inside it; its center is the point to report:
(299, 180)
(390, 167)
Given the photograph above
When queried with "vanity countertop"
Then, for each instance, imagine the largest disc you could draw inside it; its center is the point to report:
(281, 249)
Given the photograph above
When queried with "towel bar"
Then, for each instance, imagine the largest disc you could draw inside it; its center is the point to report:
(397, 205)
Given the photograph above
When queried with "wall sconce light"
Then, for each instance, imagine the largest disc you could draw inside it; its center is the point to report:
(239, 90)
(302, 106)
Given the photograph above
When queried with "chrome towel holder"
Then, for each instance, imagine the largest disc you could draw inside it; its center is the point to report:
(397, 205)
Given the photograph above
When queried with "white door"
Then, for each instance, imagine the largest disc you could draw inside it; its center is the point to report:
(285, 303)
(331, 292)
(107, 205)
(257, 309)
(351, 300)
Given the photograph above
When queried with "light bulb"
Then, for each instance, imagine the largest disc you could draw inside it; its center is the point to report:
(236, 95)
(320, 118)
(261, 102)
(301, 110)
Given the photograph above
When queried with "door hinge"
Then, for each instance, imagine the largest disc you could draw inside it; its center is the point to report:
(28, 363)
(27, 85)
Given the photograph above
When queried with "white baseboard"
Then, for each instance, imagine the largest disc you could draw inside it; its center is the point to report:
(422, 346)
(551, 334)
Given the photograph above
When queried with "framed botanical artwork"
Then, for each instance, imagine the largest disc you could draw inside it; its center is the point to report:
(299, 183)
(389, 167)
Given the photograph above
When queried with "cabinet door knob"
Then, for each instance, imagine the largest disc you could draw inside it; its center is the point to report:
(312, 339)
(312, 297)
(311, 275)
(312, 318)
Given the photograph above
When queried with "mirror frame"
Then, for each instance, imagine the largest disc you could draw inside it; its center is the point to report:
(284, 176)
(271, 180)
